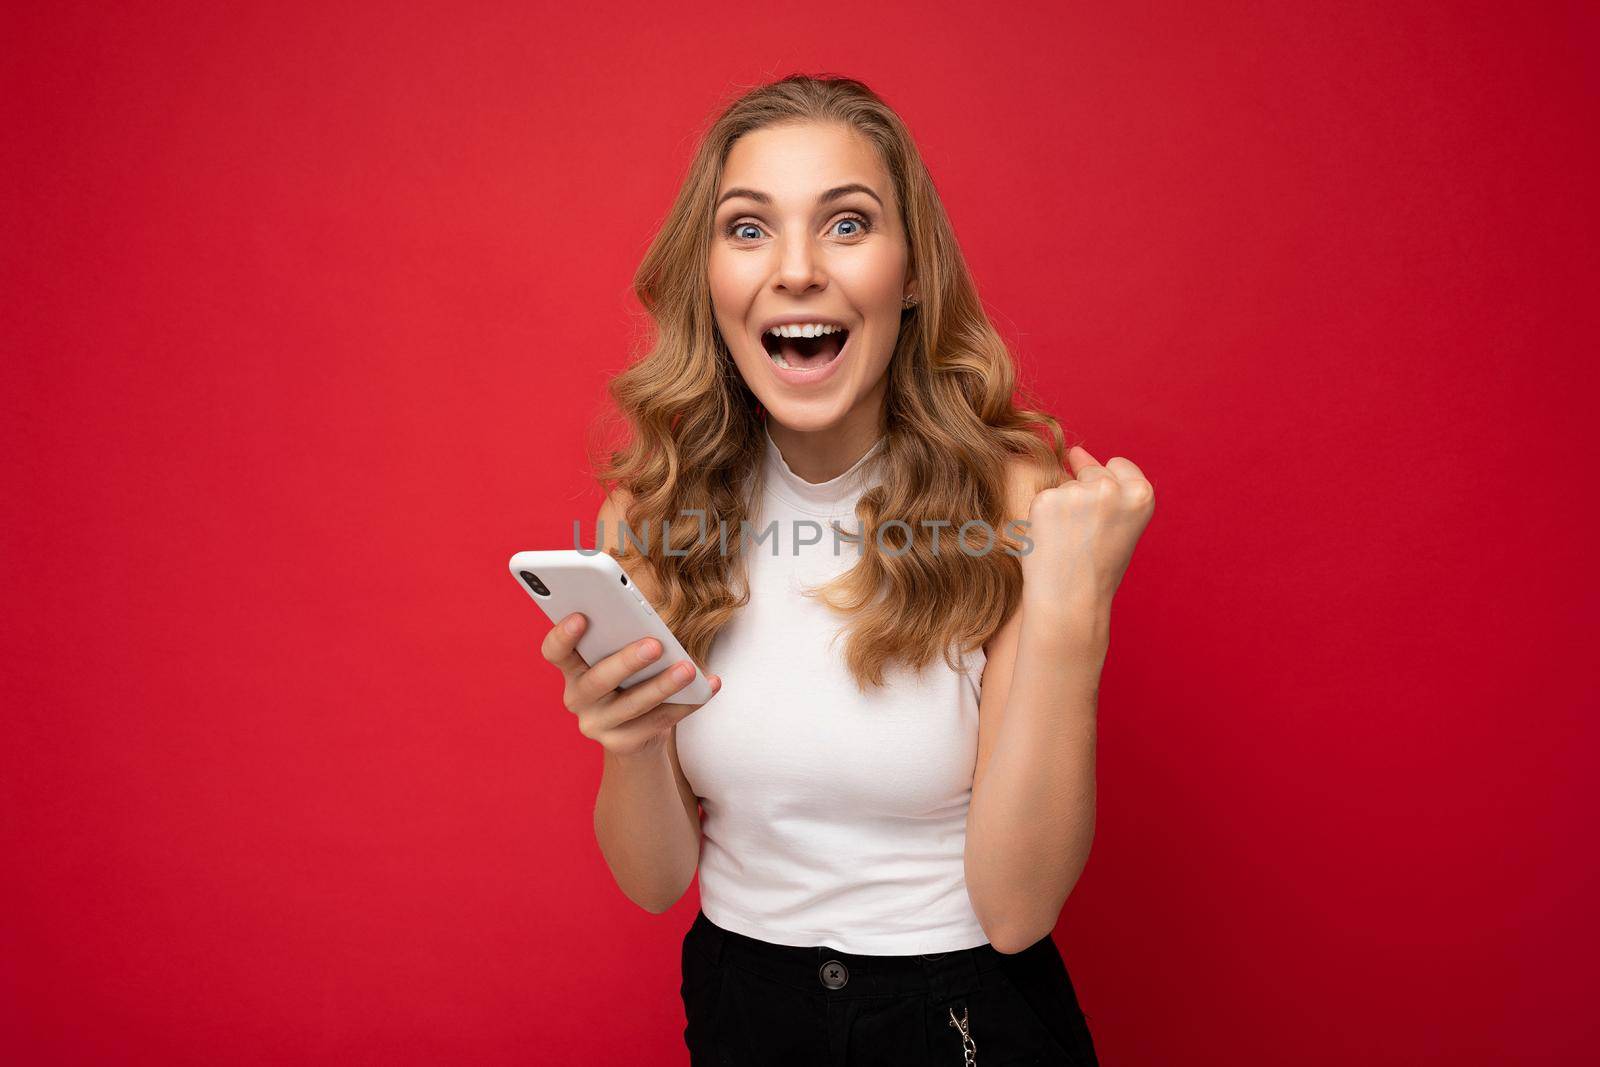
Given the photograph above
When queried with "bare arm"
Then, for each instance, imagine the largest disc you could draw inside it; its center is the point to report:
(1032, 815)
(646, 816)
(649, 840)
(1031, 820)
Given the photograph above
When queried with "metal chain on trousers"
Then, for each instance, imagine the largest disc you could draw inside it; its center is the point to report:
(969, 1047)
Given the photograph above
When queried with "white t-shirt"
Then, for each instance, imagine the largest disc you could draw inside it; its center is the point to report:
(831, 817)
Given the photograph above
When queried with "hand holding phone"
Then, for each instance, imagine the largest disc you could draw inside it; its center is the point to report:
(624, 721)
(621, 662)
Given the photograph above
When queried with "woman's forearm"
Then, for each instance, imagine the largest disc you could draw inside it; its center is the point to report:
(647, 837)
(1031, 819)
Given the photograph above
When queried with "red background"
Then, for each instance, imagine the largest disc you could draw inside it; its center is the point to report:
(307, 312)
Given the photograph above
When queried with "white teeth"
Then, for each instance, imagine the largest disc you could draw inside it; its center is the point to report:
(800, 329)
(804, 329)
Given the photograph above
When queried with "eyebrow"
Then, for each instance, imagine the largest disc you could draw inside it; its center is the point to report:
(832, 194)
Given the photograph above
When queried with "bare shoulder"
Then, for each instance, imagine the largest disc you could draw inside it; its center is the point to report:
(1026, 477)
(613, 511)
(608, 524)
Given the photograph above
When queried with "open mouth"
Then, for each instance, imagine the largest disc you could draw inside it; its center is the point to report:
(805, 353)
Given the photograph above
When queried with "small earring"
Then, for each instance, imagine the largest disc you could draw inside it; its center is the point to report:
(909, 302)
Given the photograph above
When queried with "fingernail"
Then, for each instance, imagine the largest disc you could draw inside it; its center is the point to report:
(682, 671)
(574, 624)
(650, 650)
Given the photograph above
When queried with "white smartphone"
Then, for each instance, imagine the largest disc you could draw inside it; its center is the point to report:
(565, 581)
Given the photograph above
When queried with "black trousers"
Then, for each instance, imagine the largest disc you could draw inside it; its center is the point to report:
(750, 1003)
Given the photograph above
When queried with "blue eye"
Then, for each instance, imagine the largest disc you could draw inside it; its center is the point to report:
(734, 227)
(859, 221)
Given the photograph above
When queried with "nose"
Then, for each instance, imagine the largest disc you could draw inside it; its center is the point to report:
(799, 266)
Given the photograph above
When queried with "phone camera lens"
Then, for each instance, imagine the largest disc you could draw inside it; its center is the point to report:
(624, 579)
(534, 583)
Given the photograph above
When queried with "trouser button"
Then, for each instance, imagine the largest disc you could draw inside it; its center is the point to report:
(834, 974)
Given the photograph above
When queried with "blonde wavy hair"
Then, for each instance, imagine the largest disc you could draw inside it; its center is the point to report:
(696, 430)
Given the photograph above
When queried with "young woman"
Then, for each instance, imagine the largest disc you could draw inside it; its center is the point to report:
(903, 599)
